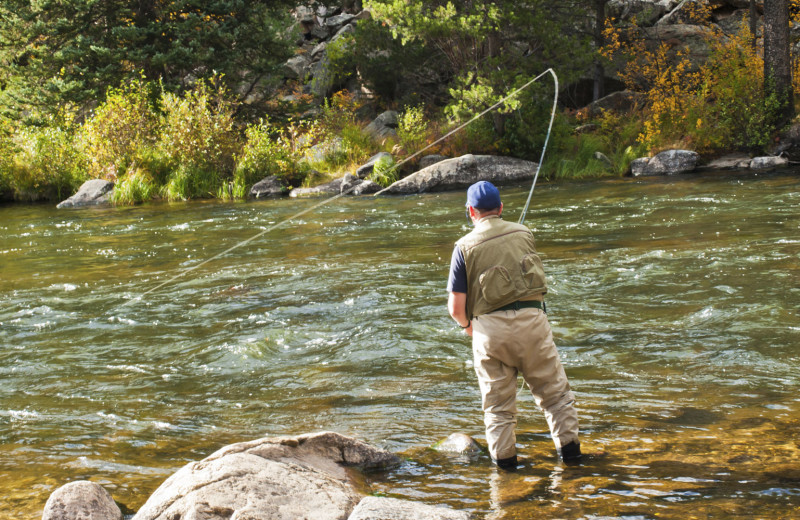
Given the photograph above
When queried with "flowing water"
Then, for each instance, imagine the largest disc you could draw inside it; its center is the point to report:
(674, 302)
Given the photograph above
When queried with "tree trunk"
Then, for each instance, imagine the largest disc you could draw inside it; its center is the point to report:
(777, 59)
(753, 22)
(599, 41)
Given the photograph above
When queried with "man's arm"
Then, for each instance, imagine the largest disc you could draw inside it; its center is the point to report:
(457, 306)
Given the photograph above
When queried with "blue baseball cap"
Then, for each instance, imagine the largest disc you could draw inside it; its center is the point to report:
(483, 195)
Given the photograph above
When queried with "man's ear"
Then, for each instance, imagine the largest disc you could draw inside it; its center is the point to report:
(500, 212)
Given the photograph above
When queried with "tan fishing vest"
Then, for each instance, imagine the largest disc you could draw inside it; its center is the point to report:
(502, 265)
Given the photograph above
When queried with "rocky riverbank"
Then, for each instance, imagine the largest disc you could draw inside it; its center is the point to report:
(319, 476)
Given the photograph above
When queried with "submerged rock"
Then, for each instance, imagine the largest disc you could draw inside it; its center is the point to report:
(271, 478)
(382, 508)
(460, 444)
(461, 172)
(91, 193)
(81, 500)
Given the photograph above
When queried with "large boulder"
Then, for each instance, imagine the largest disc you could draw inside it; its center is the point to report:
(382, 508)
(670, 162)
(282, 478)
(91, 193)
(461, 172)
(81, 500)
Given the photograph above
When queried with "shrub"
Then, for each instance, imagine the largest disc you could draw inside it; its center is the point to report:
(269, 151)
(124, 125)
(199, 138)
(384, 172)
(47, 164)
(412, 129)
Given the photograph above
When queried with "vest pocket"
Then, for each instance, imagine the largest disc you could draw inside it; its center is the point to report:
(532, 271)
(496, 285)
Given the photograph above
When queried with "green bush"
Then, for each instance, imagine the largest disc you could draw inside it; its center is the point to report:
(412, 129)
(124, 125)
(199, 138)
(47, 165)
(269, 151)
(384, 172)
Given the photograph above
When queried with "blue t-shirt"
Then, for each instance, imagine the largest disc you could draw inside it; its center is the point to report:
(457, 281)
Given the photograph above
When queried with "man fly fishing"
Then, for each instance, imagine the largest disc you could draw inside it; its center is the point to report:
(496, 294)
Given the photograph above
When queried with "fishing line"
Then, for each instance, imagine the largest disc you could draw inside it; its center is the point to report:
(355, 185)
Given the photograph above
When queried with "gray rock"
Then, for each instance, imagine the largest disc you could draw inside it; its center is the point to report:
(304, 14)
(366, 188)
(638, 166)
(459, 444)
(81, 500)
(768, 162)
(320, 32)
(91, 193)
(382, 508)
(363, 171)
(336, 22)
(267, 187)
(384, 125)
(734, 161)
(461, 172)
(282, 478)
(348, 183)
(365, 14)
(670, 162)
(318, 50)
(430, 160)
(296, 67)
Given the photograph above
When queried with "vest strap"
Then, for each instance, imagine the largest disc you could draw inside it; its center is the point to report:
(527, 304)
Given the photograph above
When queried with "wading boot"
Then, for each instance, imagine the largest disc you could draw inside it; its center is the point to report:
(508, 464)
(571, 453)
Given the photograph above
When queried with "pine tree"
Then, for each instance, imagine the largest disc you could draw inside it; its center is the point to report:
(56, 53)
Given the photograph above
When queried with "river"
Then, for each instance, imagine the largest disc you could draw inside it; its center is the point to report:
(675, 304)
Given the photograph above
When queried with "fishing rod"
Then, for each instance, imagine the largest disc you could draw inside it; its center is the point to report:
(350, 189)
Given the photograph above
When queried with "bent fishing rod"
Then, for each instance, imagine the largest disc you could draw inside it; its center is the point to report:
(395, 167)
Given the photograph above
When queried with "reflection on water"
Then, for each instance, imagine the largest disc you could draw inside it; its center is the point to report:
(673, 302)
